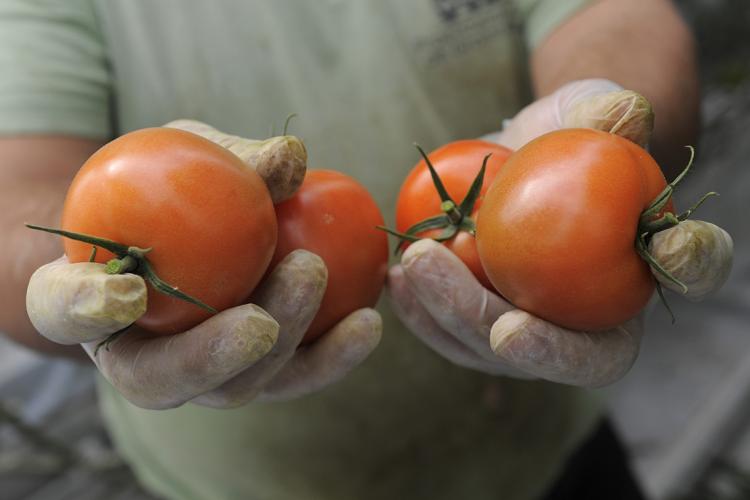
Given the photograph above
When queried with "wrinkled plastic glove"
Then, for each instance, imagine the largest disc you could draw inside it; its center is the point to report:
(441, 302)
(249, 352)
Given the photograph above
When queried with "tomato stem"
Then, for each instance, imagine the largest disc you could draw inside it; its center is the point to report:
(454, 218)
(111, 338)
(112, 246)
(651, 222)
(452, 211)
(129, 259)
(664, 222)
(121, 266)
(287, 121)
(167, 289)
(642, 249)
(439, 186)
(467, 205)
(654, 220)
(684, 215)
(663, 198)
(663, 298)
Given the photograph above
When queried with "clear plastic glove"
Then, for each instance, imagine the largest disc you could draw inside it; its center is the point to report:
(442, 303)
(244, 353)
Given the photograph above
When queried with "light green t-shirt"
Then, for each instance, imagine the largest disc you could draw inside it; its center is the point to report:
(367, 78)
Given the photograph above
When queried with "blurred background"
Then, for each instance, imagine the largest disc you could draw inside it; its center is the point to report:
(683, 411)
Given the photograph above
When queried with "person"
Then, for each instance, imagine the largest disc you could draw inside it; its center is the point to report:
(435, 413)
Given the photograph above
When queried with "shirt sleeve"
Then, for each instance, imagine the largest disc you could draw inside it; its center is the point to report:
(54, 76)
(541, 17)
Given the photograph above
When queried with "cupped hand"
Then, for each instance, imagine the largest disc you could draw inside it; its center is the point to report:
(441, 302)
(241, 354)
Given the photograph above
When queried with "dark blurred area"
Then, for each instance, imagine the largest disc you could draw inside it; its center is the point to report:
(721, 28)
(683, 412)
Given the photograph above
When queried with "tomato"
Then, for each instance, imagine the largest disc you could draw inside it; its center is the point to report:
(457, 164)
(207, 217)
(334, 216)
(557, 229)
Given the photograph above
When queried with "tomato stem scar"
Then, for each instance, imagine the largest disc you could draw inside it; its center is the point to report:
(127, 264)
(452, 211)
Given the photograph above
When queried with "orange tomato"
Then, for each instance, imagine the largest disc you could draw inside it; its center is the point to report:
(557, 228)
(457, 164)
(334, 216)
(208, 218)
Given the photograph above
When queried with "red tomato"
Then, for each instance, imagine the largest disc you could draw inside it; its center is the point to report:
(457, 164)
(557, 228)
(334, 217)
(208, 218)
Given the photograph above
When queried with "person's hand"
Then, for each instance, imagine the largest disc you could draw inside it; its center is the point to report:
(441, 302)
(244, 353)
(595, 103)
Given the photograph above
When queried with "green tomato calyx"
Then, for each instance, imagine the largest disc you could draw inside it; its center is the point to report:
(455, 217)
(129, 259)
(654, 219)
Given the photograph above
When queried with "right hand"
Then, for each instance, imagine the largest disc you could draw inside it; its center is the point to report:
(244, 353)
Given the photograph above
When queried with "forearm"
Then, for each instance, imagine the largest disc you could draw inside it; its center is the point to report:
(644, 46)
(34, 175)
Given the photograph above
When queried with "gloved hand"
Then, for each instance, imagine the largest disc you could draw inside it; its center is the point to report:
(441, 302)
(243, 353)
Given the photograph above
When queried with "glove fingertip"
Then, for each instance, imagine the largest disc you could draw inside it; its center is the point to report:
(418, 250)
(75, 303)
(506, 328)
(254, 334)
(359, 333)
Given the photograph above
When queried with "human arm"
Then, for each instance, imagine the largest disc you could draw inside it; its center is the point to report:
(643, 45)
(35, 171)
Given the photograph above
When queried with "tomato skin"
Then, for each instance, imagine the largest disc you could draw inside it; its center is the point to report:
(208, 218)
(457, 163)
(557, 228)
(334, 217)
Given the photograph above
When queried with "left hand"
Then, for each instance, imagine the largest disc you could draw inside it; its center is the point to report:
(442, 303)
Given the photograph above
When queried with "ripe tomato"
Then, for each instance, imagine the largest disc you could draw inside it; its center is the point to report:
(208, 218)
(457, 164)
(334, 216)
(557, 228)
